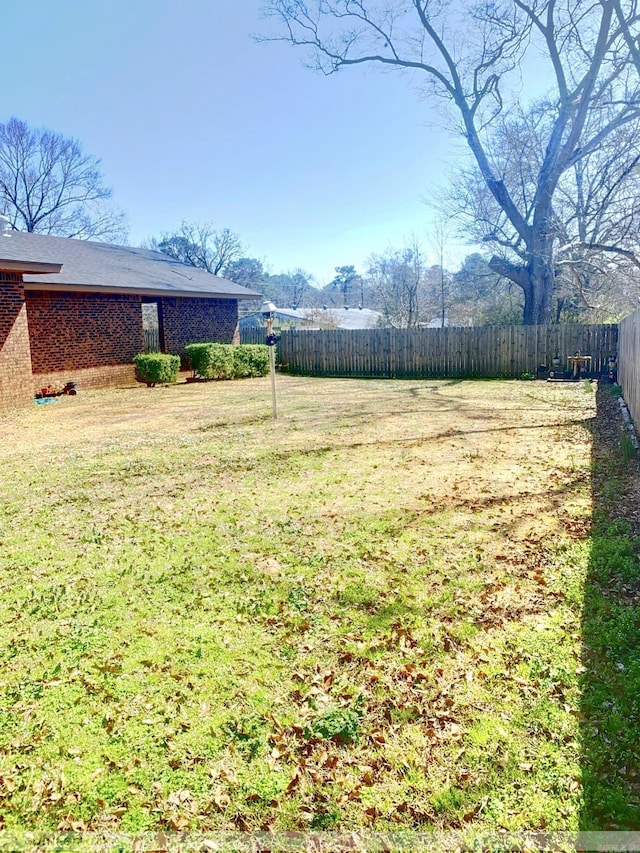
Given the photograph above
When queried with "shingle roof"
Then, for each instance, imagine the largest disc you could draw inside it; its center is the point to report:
(341, 318)
(104, 267)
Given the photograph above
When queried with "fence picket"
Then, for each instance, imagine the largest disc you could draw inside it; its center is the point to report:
(629, 363)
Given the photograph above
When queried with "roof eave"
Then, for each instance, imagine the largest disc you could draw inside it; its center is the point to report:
(29, 267)
(137, 291)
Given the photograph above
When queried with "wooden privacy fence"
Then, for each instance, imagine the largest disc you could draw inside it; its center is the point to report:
(489, 352)
(253, 335)
(629, 363)
(151, 339)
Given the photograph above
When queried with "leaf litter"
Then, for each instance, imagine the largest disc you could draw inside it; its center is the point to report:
(362, 615)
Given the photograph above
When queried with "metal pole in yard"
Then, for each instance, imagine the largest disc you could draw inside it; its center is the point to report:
(268, 310)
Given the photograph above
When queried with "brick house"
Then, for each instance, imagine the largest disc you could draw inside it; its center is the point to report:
(71, 311)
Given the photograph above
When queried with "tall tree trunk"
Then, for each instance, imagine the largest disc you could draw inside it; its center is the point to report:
(537, 309)
(540, 266)
(521, 275)
(536, 281)
(535, 276)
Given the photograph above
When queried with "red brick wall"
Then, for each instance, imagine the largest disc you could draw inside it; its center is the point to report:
(76, 331)
(113, 375)
(91, 338)
(15, 356)
(190, 321)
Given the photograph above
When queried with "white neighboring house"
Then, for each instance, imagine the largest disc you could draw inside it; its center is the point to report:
(436, 323)
(317, 318)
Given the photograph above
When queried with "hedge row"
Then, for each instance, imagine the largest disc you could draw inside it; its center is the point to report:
(208, 361)
(228, 361)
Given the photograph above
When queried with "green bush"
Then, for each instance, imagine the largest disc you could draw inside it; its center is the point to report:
(211, 361)
(156, 368)
(228, 361)
(250, 360)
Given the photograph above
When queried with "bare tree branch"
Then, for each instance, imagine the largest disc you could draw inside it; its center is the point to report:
(200, 244)
(467, 53)
(50, 186)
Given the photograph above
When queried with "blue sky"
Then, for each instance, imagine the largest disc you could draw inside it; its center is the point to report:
(193, 119)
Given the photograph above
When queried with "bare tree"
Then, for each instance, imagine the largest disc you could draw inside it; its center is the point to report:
(299, 285)
(628, 19)
(594, 218)
(468, 54)
(598, 217)
(291, 289)
(438, 239)
(200, 244)
(49, 185)
(398, 279)
(480, 297)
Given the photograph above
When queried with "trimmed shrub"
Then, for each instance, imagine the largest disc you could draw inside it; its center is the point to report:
(228, 361)
(250, 360)
(211, 361)
(156, 368)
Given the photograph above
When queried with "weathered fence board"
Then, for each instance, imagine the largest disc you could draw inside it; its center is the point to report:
(489, 352)
(253, 336)
(629, 363)
(151, 339)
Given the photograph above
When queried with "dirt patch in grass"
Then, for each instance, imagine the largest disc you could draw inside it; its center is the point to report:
(365, 614)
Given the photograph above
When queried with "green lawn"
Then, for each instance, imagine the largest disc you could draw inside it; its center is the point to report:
(366, 614)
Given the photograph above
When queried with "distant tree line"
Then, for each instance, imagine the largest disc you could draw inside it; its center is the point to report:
(404, 284)
(49, 185)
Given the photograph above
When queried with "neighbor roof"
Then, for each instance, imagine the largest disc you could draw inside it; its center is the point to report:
(105, 268)
(341, 318)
